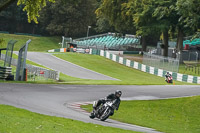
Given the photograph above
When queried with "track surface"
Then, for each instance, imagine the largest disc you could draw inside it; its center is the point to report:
(61, 100)
(65, 67)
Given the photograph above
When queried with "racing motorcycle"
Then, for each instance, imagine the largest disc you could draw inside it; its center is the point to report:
(169, 79)
(103, 111)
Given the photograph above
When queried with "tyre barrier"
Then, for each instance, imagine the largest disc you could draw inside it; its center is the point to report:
(6, 73)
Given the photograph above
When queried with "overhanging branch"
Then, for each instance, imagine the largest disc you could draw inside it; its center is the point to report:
(5, 4)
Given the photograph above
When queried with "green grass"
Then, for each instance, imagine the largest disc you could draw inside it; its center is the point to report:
(19, 120)
(189, 71)
(126, 75)
(37, 43)
(1, 63)
(179, 115)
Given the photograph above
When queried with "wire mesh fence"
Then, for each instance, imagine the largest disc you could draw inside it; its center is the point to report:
(38, 73)
(190, 56)
(9, 52)
(35, 73)
(161, 62)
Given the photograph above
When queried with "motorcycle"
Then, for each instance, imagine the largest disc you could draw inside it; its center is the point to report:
(169, 79)
(103, 111)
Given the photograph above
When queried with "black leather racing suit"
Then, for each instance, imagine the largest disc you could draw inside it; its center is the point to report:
(109, 97)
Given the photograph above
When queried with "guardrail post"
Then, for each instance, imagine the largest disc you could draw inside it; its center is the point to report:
(21, 64)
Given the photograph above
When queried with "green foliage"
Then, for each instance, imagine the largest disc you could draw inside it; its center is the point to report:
(2, 41)
(70, 18)
(32, 7)
(37, 43)
(113, 11)
(151, 17)
(190, 13)
(103, 25)
(179, 115)
(13, 19)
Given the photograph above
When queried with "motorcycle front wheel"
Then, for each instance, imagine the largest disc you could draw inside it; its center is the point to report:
(92, 116)
(105, 114)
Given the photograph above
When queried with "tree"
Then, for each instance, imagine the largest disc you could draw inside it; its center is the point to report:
(146, 25)
(113, 11)
(32, 7)
(70, 18)
(133, 16)
(13, 19)
(189, 12)
(103, 25)
(164, 13)
(5, 3)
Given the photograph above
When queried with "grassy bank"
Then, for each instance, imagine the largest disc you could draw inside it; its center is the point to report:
(179, 115)
(37, 43)
(19, 120)
(126, 75)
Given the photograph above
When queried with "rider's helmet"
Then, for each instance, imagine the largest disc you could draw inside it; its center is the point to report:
(118, 93)
(167, 73)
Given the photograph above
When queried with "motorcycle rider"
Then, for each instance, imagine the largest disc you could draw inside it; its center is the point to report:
(167, 75)
(113, 96)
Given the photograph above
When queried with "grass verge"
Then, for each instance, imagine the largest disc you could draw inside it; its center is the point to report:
(36, 44)
(19, 120)
(126, 75)
(180, 115)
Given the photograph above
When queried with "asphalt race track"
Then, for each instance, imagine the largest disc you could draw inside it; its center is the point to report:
(65, 67)
(62, 100)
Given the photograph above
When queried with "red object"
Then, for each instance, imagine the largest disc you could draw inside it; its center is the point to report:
(170, 79)
(186, 47)
(74, 49)
(41, 72)
(87, 50)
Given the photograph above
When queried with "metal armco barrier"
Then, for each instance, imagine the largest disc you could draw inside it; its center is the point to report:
(5, 73)
(41, 72)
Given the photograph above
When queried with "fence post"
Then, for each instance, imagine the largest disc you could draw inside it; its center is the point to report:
(9, 52)
(21, 64)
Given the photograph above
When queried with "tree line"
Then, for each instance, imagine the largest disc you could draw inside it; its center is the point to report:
(150, 19)
(68, 18)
